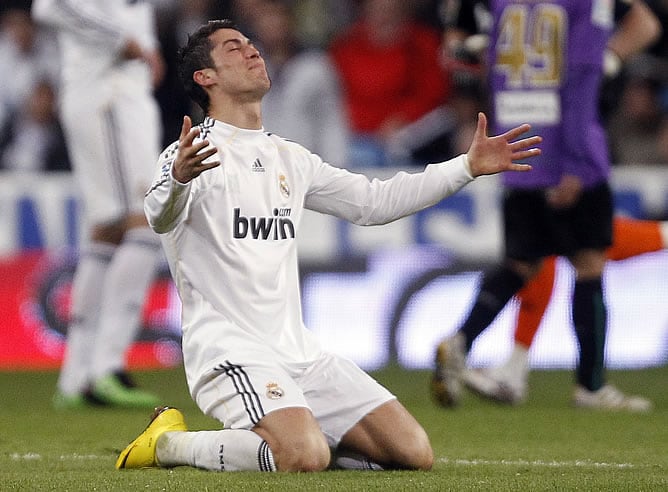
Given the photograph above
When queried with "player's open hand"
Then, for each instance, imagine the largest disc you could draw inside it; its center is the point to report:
(190, 156)
(491, 155)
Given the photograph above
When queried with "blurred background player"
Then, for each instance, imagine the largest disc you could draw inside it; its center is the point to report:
(110, 62)
(545, 66)
(508, 383)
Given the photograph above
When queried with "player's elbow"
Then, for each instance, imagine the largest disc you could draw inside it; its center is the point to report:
(159, 219)
(157, 225)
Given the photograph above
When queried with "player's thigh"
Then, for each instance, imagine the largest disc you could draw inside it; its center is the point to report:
(357, 414)
(593, 217)
(260, 395)
(340, 394)
(138, 118)
(114, 145)
(390, 435)
(94, 154)
(139, 128)
(527, 228)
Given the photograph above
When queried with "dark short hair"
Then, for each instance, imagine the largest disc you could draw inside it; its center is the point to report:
(196, 55)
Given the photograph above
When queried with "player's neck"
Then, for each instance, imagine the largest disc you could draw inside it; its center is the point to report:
(247, 115)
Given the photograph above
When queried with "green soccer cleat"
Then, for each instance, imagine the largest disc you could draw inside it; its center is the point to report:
(140, 453)
(62, 402)
(110, 390)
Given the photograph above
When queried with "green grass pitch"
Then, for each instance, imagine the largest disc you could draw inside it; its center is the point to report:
(542, 445)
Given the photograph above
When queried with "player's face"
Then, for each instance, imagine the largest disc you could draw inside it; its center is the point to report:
(238, 64)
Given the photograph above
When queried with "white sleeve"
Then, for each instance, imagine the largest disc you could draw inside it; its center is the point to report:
(355, 198)
(166, 202)
(83, 18)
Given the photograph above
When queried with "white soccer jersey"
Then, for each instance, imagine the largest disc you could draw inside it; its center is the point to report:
(91, 34)
(230, 237)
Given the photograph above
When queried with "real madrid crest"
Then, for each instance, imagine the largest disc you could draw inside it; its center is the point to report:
(274, 391)
(283, 185)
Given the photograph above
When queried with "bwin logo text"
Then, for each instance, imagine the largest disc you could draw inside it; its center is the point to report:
(267, 228)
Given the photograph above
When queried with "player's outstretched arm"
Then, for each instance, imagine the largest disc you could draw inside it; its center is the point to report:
(190, 157)
(491, 155)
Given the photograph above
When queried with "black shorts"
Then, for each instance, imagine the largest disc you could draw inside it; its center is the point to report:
(534, 230)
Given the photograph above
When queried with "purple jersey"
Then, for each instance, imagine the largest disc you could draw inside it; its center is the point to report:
(545, 68)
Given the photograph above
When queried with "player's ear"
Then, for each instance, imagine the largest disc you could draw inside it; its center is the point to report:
(203, 77)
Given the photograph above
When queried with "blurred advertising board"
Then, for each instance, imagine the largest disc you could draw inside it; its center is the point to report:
(35, 309)
(403, 286)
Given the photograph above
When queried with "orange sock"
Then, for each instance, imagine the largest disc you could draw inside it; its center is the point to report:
(634, 237)
(631, 237)
(534, 298)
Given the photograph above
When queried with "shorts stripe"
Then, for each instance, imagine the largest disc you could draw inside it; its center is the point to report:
(245, 390)
(114, 149)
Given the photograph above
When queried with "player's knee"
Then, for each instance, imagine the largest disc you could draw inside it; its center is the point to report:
(108, 232)
(309, 453)
(424, 457)
(417, 453)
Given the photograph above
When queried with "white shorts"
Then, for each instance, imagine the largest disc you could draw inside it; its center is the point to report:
(338, 393)
(113, 136)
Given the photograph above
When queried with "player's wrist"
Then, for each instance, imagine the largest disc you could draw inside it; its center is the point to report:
(181, 180)
(467, 166)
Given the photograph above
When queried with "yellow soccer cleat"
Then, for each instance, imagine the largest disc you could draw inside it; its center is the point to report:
(140, 453)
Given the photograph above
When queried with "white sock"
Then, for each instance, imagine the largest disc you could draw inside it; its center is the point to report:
(222, 450)
(516, 368)
(345, 460)
(126, 285)
(75, 372)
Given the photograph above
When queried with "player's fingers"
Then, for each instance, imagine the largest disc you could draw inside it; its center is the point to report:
(513, 133)
(525, 142)
(188, 139)
(519, 167)
(205, 154)
(481, 127)
(196, 148)
(185, 127)
(204, 167)
(524, 154)
(188, 133)
(210, 165)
